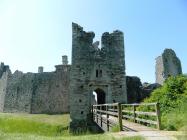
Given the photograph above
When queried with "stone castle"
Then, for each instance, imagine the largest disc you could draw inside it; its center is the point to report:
(70, 87)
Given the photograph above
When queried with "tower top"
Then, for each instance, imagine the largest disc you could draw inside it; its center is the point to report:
(65, 60)
(40, 69)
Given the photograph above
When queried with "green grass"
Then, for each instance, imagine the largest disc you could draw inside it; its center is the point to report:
(115, 128)
(107, 136)
(44, 127)
(181, 137)
(176, 120)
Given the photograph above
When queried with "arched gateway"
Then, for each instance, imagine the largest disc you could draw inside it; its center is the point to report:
(94, 69)
(100, 96)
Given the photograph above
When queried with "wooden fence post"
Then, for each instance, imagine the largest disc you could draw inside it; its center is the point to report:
(97, 113)
(107, 117)
(101, 115)
(92, 112)
(120, 117)
(134, 113)
(157, 107)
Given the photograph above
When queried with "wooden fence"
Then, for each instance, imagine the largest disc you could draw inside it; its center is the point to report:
(113, 114)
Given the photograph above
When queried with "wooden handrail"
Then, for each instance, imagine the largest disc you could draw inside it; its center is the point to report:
(137, 104)
(134, 114)
(103, 112)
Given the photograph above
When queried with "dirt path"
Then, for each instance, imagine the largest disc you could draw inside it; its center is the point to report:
(135, 129)
(153, 135)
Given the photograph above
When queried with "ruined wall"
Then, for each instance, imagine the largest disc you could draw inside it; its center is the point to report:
(113, 48)
(41, 97)
(3, 81)
(19, 92)
(50, 91)
(37, 92)
(134, 91)
(159, 70)
(62, 86)
(4, 73)
(168, 64)
(94, 69)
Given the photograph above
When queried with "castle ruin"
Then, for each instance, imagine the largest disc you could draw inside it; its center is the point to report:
(42, 92)
(95, 69)
(70, 87)
(168, 64)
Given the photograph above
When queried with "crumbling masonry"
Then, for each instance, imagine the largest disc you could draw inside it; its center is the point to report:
(168, 64)
(95, 69)
(43, 92)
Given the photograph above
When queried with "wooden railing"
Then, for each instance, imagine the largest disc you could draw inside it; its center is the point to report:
(147, 114)
(101, 115)
(109, 115)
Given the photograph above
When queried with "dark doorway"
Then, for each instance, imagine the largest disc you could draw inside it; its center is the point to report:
(99, 96)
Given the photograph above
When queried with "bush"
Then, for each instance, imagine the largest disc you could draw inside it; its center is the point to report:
(172, 97)
(176, 119)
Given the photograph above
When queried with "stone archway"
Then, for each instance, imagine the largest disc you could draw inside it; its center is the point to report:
(100, 96)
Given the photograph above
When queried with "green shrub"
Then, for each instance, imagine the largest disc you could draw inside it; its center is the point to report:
(176, 119)
(172, 98)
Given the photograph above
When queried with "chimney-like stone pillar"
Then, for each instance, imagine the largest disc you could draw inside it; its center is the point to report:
(40, 69)
(65, 60)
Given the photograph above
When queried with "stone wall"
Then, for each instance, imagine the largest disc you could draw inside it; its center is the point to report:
(168, 64)
(95, 69)
(50, 91)
(36, 92)
(136, 91)
(19, 92)
(4, 74)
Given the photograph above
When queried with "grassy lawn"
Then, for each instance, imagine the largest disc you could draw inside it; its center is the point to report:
(19, 136)
(43, 127)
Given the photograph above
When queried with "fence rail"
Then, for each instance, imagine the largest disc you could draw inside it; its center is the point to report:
(114, 114)
(102, 113)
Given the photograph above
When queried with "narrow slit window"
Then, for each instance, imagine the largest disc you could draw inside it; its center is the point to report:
(97, 73)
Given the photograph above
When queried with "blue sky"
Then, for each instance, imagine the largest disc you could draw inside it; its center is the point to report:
(38, 32)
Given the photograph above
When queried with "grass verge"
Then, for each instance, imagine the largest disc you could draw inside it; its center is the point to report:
(44, 127)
